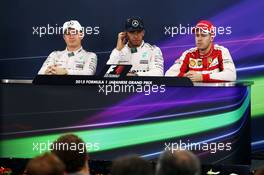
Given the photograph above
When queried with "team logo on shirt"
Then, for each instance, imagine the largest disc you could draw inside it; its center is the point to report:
(210, 60)
(144, 55)
(214, 62)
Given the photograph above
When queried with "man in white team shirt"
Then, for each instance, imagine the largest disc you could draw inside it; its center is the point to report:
(74, 60)
(146, 60)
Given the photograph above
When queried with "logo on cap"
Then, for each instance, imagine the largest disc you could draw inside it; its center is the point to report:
(135, 23)
(70, 23)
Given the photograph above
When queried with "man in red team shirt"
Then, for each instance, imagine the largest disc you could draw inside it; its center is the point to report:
(207, 62)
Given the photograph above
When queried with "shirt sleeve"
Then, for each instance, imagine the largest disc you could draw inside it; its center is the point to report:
(48, 62)
(180, 67)
(227, 69)
(156, 65)
(114, 57)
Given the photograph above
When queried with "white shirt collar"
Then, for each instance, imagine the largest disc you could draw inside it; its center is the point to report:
(139, 47)
(75, 52)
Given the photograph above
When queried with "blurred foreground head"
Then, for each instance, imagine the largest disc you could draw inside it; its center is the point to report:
(131, 165)
(46, 164)
(178, 163)
(71, 149)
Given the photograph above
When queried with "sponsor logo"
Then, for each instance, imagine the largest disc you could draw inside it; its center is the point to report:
(210, 60)
(192, 62)
(199, 63)
(135, 23)
(143, 61)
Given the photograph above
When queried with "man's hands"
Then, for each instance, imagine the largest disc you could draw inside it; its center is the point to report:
(121, 40)
(55, 70)
(194, 76)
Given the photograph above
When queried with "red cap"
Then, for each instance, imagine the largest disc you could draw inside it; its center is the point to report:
(205, 26)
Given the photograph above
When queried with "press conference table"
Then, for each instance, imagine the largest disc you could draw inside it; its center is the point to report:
(135, 115)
